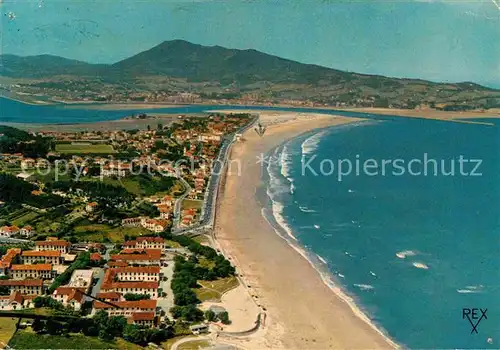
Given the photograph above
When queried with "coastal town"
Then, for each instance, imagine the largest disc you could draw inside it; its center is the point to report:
(114, 228)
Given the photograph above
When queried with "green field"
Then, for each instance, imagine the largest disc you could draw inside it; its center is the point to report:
(83, 149)
(191, 203)
(98, 232)
(213, 290)
(26, 339)
(7, 330)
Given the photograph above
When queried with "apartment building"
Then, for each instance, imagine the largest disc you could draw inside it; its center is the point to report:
(57, 245)
(146, 243)
(134, 281)
(146, 319)
(139, 257)
(25, 271)
(15, 301)
(70, 296)
(126, 308)
(46, 256)
(25, 287)
(142, 273)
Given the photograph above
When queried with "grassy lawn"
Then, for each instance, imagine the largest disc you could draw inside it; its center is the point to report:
(191, 203)
(98, 232)
(213, 290)
(7, 329)
(24, 219)
(50, 176)
(82, 149)
(204, 262)
(194, 345)
(201, 239)
(167, 345)
(172, 244)
(27, 339)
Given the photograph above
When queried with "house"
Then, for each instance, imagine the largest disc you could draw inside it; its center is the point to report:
(154, 225)
(10, 257)
(27, 163)
(27, 231)
(125, 308)
(70, 296)
(24, 176)
(95, 257)
(46, 256)
(7, 231)
(132, 221)
(167, 200)
(90, 207)
(15, 301)
(165, 211)
(25, 287)
(26, 271)
(59, 245)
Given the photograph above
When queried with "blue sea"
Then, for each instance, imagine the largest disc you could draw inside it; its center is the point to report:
(410, 250)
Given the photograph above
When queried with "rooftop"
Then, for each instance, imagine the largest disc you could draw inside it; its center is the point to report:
(44, 253)
(137, 304)
(26, 283)
(32, 267)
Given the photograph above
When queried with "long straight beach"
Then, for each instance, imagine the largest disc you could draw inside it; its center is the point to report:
(302, 311)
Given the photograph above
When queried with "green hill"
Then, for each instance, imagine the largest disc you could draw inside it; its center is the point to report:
(214, 72)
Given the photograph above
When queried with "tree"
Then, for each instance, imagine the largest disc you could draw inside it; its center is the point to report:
(210, 315)
(133, 297)
(224, 317)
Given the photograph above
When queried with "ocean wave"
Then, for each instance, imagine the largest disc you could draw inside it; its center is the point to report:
(277, 184)
(471, 289)
(285, 162)
(321, 259)
(403, 254)
(364, 286)
(277, 208)
(420, 265)
(306, 210)
(310, 145)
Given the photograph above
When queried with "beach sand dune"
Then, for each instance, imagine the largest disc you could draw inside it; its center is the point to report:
(302, 311)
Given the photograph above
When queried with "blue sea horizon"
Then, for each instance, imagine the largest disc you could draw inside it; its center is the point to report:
(411, 251)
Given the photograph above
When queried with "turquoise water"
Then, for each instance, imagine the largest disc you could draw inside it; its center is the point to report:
(354, 228)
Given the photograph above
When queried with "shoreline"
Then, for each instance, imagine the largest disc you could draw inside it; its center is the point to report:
(316, 261)
(276, 274)
(427, 113)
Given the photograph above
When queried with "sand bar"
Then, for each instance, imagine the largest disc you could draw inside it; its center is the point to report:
(302, 311)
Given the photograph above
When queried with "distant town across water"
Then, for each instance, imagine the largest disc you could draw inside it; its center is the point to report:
(12, 111)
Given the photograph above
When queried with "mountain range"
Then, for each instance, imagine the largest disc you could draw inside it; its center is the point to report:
(215, 72)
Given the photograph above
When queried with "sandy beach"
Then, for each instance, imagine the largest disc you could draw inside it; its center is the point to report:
(302, 312)
(430, 113)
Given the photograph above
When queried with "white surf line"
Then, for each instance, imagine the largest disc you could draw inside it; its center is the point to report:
(496, 3)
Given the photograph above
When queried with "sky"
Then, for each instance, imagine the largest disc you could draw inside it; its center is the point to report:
(439, 40)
